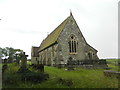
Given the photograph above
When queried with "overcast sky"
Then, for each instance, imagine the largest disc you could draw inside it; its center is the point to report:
(25, 23)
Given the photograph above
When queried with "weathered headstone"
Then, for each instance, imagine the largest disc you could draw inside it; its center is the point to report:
(70, 64)
(10, 59)
(40, 67)
(24, 60)
(5, 61)
(23, 67)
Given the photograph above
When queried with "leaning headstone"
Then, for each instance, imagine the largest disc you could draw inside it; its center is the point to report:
(70, 64)
(23, 67)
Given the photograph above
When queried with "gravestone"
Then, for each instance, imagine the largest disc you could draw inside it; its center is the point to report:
(5, 61)
(23, 67)
(17, 60)
(39, 67)
(70, 64)
(5, 66)
(10, 59)
(24, 60)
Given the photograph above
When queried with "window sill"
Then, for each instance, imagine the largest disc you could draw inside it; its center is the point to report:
(73, 53)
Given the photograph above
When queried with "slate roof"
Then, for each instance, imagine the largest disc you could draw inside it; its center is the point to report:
(53, 36)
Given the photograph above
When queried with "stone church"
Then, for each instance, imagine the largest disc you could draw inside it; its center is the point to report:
(64, 43)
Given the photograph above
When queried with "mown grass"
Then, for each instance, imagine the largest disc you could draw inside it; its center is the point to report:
(84, 78)
(0, 65)
(113, 61)
(113, 64)
(81, 78)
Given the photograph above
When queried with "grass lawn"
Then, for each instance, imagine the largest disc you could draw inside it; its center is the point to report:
(83, 78)
(113, 64)
(80, 78)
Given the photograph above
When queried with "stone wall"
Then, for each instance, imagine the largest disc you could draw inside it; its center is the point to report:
(49, 56)
(34, 60)
(83, 49)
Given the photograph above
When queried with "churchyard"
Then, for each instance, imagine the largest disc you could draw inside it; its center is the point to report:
(59, 78)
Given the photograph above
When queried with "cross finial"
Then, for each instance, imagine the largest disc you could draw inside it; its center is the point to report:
(70, 12)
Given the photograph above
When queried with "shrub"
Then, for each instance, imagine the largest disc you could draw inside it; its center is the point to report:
(4, 67)
(65, 82)
(39, 67)
(10, 79)
(34, 77)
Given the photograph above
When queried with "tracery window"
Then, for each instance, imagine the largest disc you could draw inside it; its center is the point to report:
(73, 45)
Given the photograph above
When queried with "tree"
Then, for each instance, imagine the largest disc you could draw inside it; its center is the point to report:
(10, 54)
(1, 55)
(18, 54)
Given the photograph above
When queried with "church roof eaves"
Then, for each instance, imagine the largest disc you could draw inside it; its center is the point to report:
(92, 47)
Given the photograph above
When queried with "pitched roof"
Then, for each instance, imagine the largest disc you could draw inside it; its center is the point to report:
(91, 47)
(53, 36)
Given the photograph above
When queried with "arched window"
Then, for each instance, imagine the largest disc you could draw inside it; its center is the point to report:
(72, 45)
(90, 55)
